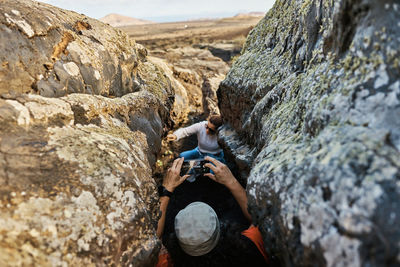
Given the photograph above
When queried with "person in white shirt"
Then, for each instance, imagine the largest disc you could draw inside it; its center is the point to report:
(207, 138)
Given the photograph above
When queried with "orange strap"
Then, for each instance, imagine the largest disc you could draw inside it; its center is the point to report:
(164, 260)
(253, 233)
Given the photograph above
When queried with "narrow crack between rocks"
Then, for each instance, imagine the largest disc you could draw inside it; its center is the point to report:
(231, 219)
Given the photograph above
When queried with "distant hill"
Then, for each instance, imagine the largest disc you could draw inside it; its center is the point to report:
(117, 20)
(251, 14)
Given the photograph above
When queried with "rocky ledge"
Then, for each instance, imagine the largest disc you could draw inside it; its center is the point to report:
(313, 107)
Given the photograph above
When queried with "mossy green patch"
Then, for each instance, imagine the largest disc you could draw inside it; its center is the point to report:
(157, 82)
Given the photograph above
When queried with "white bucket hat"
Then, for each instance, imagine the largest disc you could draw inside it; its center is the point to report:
(197, 228)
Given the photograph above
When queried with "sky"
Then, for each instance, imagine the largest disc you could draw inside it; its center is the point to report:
(163, 10)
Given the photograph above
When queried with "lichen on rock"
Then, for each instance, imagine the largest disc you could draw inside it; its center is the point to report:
(82, 112)
(54, 52)
(80, 187)
(314, 98)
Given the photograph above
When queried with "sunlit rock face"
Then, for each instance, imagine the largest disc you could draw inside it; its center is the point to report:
(76, 183)
(82, 112)
(313, 110)
(181, 107)
(54, 52)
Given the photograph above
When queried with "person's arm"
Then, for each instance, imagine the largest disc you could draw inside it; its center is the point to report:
(239, 194)
(187, 131)
(161, 223)
(223, 175)
(171, 181)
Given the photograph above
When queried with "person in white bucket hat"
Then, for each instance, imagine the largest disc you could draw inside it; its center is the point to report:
(198, 229)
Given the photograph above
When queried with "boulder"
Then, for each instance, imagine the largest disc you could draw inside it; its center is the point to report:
(209, 94)
(76, 178)
(312, 107)
(199, 72)
(181, 106)
(82, 112)
(54, 52)
(225, 51)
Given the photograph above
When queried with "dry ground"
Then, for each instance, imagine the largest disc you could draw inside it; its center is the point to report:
(177, 34)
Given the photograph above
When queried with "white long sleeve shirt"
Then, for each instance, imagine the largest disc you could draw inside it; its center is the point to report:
(207, 143)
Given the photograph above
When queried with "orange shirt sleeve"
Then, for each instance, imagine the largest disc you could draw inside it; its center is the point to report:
(164, 259)
(253, 233)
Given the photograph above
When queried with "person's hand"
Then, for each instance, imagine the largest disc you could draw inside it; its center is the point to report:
(222, 174)
(171, 137)
(173, 179)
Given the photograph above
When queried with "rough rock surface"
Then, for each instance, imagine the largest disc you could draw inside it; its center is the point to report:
(222, 50)
(54, 52)
(77, 151)
(182, 106)
(313, 106)
(76, 181)
(209, 94)
(200, 73)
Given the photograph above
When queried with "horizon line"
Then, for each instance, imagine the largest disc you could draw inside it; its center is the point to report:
(189, 17)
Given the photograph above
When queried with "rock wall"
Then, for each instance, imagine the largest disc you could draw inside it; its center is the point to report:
(54, 52)
(199, 72)
(312, 109)
(76, 184)
(82, 112)
(181, 106)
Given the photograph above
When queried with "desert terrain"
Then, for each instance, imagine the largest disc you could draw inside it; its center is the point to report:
(193, 33)
(199, 52)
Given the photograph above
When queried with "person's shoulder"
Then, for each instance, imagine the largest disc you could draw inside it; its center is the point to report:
(253, 234)
(200, 124)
